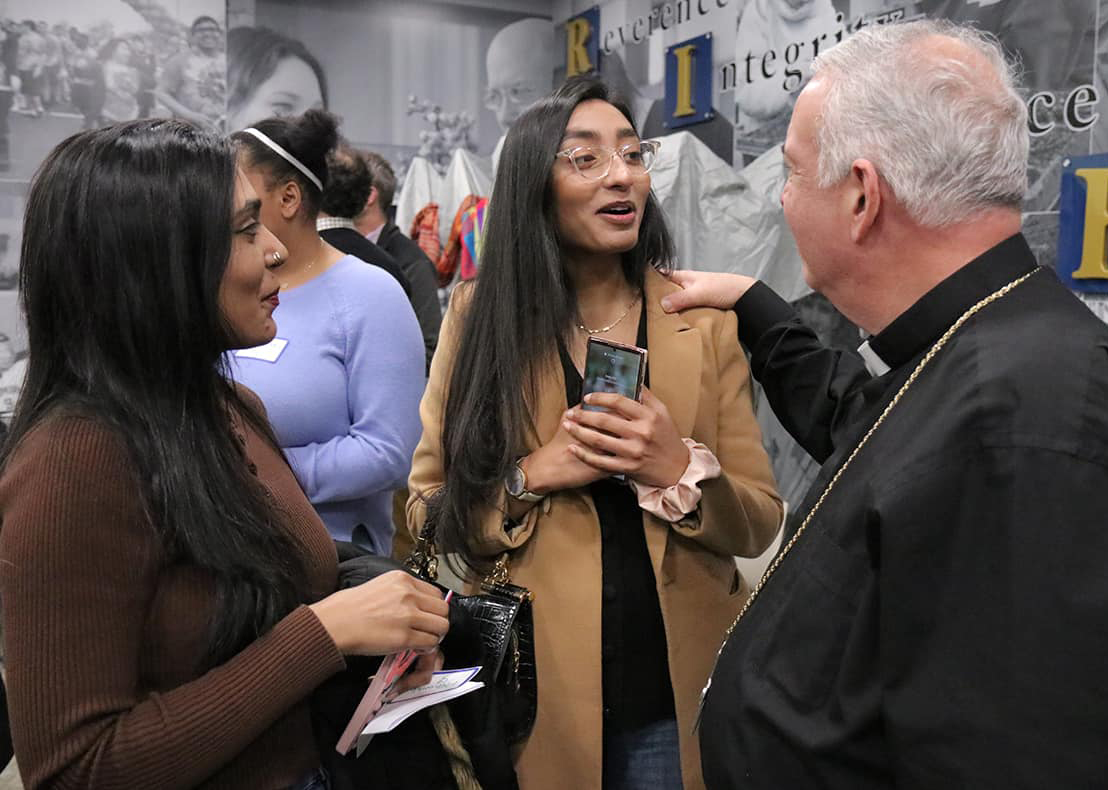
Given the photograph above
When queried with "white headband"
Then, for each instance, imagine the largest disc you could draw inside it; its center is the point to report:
(292, 160)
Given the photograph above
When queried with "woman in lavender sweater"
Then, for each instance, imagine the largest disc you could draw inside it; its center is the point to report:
(343, 378)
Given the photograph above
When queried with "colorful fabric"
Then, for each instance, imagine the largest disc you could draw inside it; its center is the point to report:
(473, 237)
(425, 231)
(463, 245)
(447, 263)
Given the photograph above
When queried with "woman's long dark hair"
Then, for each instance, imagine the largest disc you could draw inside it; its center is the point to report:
(522, 307)
(127, 235)
(310, 137)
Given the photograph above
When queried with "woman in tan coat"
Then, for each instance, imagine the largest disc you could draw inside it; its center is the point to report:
(634, 581)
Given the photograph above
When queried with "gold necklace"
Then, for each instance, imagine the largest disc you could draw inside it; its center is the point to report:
(999, 293)
(307, 269)
(612, 325)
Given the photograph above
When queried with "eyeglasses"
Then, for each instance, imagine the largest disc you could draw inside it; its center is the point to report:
(520, 93)
(594, 162)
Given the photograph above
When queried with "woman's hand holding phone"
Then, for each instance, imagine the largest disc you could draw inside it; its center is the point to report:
(639, 440)
(553, 467)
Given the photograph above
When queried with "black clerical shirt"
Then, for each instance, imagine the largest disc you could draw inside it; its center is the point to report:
(943, 621)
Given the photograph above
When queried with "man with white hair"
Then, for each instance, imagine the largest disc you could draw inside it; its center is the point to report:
(936, 615)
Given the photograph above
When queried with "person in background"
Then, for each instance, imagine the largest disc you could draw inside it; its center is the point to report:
(31, 58)
(343, 379)
(52, 65)
(634, 582)
(348, 185)
(167, 590)
(142, 60)
(9, 54)
(269, 74)
(936, 617)
(86, 80)
(373, 222)
(60, 32)
(7, 100)
(121, 82)
(193, 84)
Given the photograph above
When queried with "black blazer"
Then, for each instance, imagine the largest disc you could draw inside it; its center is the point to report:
(420, 272)
(353, 243)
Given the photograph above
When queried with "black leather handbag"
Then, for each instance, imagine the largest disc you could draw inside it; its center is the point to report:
(502, 616)
(463, 744)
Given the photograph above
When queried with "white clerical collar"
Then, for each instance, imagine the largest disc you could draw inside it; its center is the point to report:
(874, 364)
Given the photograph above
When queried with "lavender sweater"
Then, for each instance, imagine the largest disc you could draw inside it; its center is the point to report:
(343, 393)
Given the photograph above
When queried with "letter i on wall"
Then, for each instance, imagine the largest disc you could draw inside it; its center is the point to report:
(688, 97)
(583, 42)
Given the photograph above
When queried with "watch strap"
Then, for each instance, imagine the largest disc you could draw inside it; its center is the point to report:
(524, 495)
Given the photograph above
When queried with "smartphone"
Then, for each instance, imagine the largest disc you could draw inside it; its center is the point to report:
(613, 367)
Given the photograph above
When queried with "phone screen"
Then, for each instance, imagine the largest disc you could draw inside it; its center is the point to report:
(613, 367)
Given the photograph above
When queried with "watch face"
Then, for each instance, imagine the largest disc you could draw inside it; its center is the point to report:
(515, 481)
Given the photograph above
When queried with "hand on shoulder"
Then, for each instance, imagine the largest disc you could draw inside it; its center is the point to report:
(706, 289)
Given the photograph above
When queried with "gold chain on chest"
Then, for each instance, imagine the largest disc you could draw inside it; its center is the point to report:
(877, 423)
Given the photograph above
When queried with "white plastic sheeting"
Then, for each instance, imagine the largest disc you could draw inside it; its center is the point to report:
(468, 174)
(421, 186)
(723, 221)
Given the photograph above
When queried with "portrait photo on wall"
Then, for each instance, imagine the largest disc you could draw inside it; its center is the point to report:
(407, 79)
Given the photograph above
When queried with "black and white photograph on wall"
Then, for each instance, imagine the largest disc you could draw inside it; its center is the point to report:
(408, 79)
(68, 65)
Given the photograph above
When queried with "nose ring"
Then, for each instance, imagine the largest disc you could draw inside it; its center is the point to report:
(276, 257)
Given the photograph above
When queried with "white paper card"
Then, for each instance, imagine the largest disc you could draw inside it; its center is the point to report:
(267, 353)
(444, 685)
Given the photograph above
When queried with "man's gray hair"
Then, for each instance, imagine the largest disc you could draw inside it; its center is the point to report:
(945, 128)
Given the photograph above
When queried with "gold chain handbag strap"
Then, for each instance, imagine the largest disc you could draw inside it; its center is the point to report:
(424, 560)
(892, 404)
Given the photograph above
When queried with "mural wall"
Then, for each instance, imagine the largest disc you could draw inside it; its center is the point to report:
(433, 85)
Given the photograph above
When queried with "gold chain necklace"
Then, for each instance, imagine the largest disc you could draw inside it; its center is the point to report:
(830, 485)
(612, 325)
(307, 269)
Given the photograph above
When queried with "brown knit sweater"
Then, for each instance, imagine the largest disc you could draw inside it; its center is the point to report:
(102, 635)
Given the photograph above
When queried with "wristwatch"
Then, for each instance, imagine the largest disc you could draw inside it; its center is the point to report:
(515, 483)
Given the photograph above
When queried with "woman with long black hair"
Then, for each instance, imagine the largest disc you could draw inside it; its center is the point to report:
(634, 583)
(166, 587)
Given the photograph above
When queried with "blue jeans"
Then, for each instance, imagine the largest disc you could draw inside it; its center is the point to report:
(645, 758)
(316, 780)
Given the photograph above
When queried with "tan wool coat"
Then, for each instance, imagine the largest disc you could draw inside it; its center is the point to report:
(698, 370)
